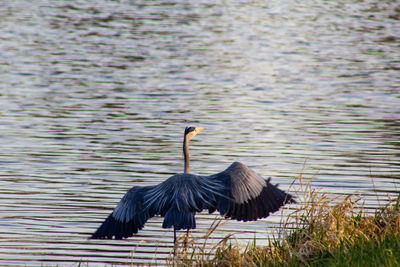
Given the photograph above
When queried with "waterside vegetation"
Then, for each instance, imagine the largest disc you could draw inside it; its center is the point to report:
(323, 230)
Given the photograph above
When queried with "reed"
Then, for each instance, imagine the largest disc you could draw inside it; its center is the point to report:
(322, 230)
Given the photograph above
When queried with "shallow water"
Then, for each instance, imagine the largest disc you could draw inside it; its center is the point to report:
(94, 97)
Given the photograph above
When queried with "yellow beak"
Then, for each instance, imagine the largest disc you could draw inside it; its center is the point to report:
(198, 129)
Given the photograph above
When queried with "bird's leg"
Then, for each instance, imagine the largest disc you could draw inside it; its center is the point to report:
(174, 241)
(186, 238)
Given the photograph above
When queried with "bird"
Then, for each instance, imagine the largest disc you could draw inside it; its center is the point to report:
(236, 193)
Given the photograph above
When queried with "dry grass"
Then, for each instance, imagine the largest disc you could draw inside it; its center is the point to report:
(318, 229)
(328, 224)
(190, 251)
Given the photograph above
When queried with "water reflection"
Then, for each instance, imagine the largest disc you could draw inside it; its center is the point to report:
(94, 99)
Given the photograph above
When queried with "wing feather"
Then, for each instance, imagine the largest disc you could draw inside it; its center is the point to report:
(128, 217)
(237, 193)
(244, 195)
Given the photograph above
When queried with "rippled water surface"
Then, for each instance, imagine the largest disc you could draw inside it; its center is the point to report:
(94, 97)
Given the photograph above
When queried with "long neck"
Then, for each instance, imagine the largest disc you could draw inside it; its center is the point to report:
(186, 154)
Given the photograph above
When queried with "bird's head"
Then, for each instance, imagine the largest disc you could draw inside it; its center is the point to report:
(191, 132)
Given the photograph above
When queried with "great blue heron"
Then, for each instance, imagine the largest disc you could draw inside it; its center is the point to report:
(237, 193)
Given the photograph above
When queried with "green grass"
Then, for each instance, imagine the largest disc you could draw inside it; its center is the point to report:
(384, 252)
(326, 231)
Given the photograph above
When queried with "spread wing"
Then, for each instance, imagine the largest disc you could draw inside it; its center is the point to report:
(177, 199)
(128, 217)
(237, 193)
(245, 196)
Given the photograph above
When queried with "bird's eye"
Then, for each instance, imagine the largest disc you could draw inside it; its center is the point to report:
(189, 129)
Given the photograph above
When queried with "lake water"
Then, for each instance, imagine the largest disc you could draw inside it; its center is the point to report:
(95, 95)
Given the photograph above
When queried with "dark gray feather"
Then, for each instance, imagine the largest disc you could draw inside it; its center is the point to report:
(245, 196)
(237, 193)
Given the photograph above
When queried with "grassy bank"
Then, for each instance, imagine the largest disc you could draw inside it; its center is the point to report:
(328, 231)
